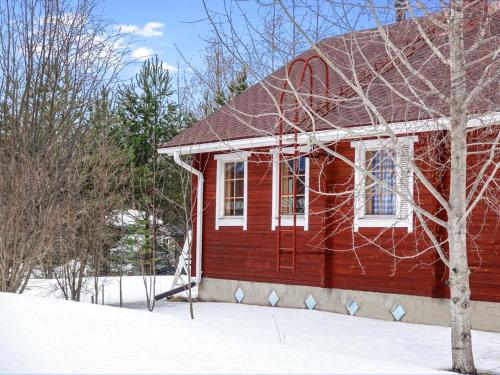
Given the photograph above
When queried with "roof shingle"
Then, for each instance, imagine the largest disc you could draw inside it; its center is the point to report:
(398, 94)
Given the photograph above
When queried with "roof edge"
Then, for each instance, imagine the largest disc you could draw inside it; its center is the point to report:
(326, 136)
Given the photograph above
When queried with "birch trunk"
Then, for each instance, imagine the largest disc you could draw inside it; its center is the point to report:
(461, 339)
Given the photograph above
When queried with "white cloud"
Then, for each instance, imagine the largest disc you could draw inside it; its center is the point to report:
(170, 68)
(149, 30)
(142, 53)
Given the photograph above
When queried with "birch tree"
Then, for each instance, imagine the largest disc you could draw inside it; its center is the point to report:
(437, 68)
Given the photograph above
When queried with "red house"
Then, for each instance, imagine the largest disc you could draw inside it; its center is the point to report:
(320, 186)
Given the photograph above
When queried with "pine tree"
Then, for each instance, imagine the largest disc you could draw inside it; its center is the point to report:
(148, 117)
(223, 96)
(240, 84)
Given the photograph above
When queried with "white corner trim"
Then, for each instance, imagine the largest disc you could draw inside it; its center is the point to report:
(325, 136)
(220, 219)
(199, 215)
(287, 221)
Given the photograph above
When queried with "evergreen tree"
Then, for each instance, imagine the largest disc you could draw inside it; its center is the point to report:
(240, 84)
(148, 118)
(223, 96)
(148, 115)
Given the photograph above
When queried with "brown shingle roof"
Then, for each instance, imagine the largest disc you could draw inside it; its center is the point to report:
(254, 112)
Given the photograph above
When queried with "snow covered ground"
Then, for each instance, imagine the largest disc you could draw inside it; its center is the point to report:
(133, 291)
(44, 335)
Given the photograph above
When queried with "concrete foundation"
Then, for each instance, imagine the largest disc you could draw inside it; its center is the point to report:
(424, 310)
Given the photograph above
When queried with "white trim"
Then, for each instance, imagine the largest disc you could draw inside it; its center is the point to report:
(234, 156)
(361, 220)
(301, 220)
(199, 215)
(383, 222)
(325, 136)
(306, 195)
(301, 149)
(377, 143)
(220, 219)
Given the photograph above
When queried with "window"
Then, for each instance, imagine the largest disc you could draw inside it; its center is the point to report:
(234, 187)
(383, 183)
(380, 199)
(290, 167)
(231, 190)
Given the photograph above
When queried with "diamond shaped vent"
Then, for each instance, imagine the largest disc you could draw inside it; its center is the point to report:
(310, 302)
(239, 295)
(398, 312)
(273, 298)
(352, 307)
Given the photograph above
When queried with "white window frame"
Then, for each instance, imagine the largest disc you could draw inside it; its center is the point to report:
(220, 219)
(361, 220)
(301, 220)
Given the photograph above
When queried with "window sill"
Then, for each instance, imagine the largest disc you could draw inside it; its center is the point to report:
(381, 221)
(236, 221)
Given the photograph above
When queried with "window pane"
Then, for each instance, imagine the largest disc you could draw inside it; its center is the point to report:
(228, 207)
(286, 206)
(239, 170)
(301, 188)
(287, 182)
(234, 183)
(286, 169)
(301, 166)
(369, 196)
(228, 171)
(300, 205)
(238, 188)
(238, 207)
(287, 185)
(228, 189)
(380, 200)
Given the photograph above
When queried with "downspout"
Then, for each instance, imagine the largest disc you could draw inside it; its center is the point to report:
(199, 212)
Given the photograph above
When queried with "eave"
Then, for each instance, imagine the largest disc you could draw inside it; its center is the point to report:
(333, 135)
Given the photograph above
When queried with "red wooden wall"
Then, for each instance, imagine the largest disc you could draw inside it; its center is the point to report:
(234, 253)
(330, 253)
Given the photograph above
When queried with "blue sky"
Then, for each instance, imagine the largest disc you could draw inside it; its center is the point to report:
(157, 26)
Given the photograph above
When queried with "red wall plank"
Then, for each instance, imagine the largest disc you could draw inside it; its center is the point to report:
(330, 254)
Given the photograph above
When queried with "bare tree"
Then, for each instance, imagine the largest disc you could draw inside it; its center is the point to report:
(95, 182)
(204, 89)
(55, 57)
(438, 69)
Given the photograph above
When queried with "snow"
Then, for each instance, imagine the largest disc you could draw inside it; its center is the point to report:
(133, 291)
(46, 335)
(131, 217)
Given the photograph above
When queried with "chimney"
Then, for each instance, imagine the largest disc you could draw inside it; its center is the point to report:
(400, 7)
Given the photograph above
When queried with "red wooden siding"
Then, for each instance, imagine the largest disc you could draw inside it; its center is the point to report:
(358, 261)
(325, 255)
(233, 253)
